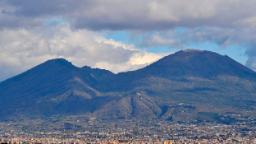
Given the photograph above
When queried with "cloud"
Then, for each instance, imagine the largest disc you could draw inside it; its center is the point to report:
(224, 22)
(22, 49)
(158, 40)
(143, 14)
(136, 61)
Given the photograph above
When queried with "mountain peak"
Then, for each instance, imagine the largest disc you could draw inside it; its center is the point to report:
(191, 51)
(195, 52)
(60, 61)
(57, 63)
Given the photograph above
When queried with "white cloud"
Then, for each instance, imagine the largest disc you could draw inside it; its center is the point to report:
(144, 58)
(22, 49)
(136, 61)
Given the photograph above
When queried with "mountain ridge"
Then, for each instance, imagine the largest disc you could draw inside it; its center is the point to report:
(57, 87)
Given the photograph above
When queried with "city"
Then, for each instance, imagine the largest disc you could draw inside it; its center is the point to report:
(126, 131)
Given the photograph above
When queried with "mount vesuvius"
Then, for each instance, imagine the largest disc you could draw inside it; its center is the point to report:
(189, 85)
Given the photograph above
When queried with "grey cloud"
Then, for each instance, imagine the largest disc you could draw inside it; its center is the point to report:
(32, 8)
(143, 14)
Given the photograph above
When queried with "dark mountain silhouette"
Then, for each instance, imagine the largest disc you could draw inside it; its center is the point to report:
(189, 85)
(198, 64)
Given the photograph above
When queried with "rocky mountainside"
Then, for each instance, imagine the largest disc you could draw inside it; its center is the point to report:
(189, 85)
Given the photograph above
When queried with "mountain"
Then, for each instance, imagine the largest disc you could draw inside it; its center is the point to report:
(189, 85)
(54, 87)
(197, 64)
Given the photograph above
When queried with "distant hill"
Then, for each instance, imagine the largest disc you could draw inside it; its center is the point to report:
(189, 85)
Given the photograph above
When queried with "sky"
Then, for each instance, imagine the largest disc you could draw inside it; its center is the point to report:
(122, 35)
